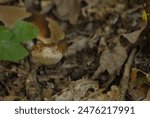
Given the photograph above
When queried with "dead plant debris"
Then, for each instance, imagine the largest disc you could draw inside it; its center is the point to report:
(85, 50)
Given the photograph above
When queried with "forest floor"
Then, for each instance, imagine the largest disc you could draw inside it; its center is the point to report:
(101, 52)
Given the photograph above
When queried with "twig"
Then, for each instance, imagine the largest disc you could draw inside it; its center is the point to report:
(126, 75)
(19, 71)
(33, 88)
(34, 77)
(97, 72)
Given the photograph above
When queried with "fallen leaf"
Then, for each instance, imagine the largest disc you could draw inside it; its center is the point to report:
(113, 58)
(56, 32)
(113, 95)
(74, 11)
(79, 44)
(77, 90)
(101, 9)
(134, 36)
(115, 54)
(10, 14)
(50, 31)
(138, 85)
(47, 93)
(68, 10)
(62, 9)
(40, 21)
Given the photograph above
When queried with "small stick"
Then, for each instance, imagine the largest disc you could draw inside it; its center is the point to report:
(97, 73)
(126, 75)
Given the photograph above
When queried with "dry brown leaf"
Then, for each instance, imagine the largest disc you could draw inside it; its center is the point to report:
(50, 31)
(134, 36)
(138, 85)
(62, 9)
(79, 44)
(77, 90)
(10, 14)
(47, 93)
(62, 83)
(138, 92)
(74, 11)
(40, 21)
(112, 95)
(68, 10)
(100, 9)
(114, 55)
(113, 58)
(56, 32)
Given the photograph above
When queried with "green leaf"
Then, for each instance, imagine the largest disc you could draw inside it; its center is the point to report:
(24, 31)
(11, 48)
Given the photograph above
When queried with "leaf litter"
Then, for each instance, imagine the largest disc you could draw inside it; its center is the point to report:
(85, 50)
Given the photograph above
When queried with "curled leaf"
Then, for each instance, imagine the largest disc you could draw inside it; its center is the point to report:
(133, 37)
(50, 31)
(56, 32)
(40, 21)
